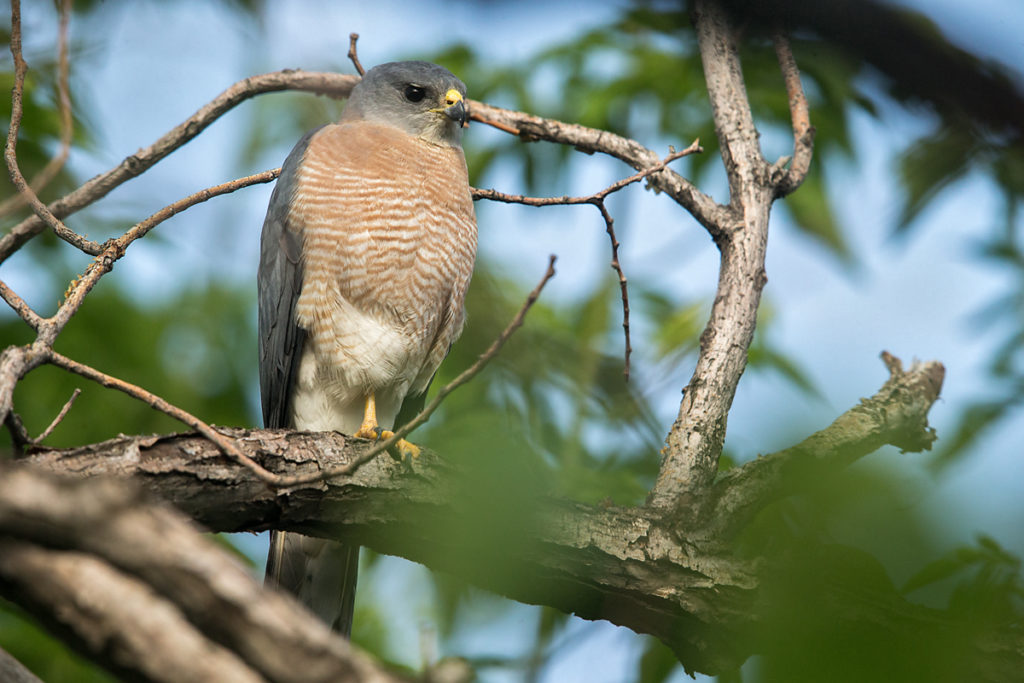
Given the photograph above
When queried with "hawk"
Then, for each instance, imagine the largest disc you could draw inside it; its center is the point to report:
(366, 255)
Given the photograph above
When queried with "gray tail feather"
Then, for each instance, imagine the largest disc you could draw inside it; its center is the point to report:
(321, 574)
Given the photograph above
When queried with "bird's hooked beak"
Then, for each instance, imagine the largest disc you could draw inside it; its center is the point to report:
(455, 107)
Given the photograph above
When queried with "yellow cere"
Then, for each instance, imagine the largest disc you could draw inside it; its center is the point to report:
(452, 96)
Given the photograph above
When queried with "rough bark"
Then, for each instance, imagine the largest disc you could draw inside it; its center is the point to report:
(675, 578)
(132, 583)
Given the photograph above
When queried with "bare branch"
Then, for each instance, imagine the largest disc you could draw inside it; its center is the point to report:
(115, 249)
(20, 307)
(225, 444)
(897, 414)
(803, 132)
(496, 196)
(13, 671)
(334, 85)
(424, 415)
(353, 55)
(10, 151)
(609, 226)
(134, 572)
(52, 168)
(589, 140)
(676, 579)
(694, 444)
(597, 199)
(57, 420)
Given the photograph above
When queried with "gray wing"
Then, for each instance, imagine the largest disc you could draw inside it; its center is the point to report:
(279, 281)
(322, 574)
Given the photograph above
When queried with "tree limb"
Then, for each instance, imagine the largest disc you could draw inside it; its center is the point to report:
(118, 573)
(693, 445)
(896, 415)
(334, 85)
(637, 567)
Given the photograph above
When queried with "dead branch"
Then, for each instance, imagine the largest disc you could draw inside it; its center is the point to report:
(331, 84)
(58, 419)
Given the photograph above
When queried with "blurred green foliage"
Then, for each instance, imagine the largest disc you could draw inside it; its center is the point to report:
(552, 412)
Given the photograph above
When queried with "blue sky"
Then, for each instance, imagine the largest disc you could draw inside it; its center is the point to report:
(150, 65)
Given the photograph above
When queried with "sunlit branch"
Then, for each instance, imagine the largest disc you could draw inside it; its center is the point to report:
(226, 445)
(803, 131)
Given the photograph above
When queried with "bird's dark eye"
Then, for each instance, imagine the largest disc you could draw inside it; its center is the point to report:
(414, 93)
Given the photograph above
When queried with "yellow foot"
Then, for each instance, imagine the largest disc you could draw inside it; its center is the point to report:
(369, 429)
(398, 451)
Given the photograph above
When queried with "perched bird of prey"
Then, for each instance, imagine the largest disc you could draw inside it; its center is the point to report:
(366, 254)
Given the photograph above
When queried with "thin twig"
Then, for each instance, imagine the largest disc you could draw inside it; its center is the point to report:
(353, 55)
(803, 131)
(53, 167)
(424, 415)
(57, 420)
(97, 187)
(10, 153)
(115, 249)
(597, 199)
(226, 445)
(504, 127)
(23, 310)
(623, 282)
(496, 196)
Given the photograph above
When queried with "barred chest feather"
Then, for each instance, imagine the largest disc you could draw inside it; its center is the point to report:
(389, 241)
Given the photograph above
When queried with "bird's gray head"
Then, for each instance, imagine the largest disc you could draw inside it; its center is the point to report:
(423, 99)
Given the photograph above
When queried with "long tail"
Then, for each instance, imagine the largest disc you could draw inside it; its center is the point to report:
(321, 574)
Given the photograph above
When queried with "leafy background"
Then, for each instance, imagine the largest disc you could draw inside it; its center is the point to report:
(905, 237)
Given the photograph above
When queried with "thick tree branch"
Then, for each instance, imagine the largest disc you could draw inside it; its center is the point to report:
(692, 448)
(632, 566)
(119, 573)
(896, 415)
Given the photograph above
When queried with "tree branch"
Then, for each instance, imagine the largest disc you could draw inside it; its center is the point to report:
(693, 445)
(803, 131)
(13, 671)
(331, 84)
(637, 567)
(118, 573)
(43, 213)
(590, 140)
(896, 415)
(54, 165)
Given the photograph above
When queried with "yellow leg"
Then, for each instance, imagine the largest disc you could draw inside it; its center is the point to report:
(370, 429)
